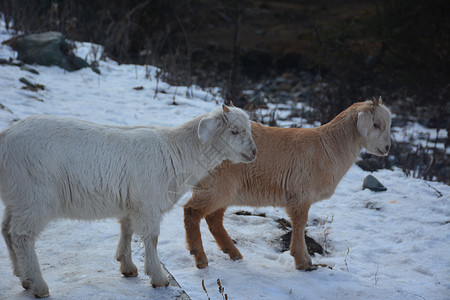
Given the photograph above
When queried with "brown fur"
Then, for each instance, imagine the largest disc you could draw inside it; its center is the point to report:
(294, 169)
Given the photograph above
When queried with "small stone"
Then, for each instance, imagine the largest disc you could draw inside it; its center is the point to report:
(27, 83)
(370, 164)
(31, 70)
(373, 184)
(31, 86)
(311, 244)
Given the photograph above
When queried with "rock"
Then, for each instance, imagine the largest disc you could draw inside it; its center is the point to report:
(27, 83)
(31, 70)
(372, 205)
(31, 86)
(4, 61)
(370, 164)
(49, 48)
(43, 49)
(311, 244)
(373, 184)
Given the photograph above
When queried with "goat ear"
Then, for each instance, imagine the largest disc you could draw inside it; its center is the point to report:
(364, 122)
(207, 128)
(376, 101)
(231, 104)
(225, 108)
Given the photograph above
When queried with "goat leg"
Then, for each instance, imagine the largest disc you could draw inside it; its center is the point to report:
(192, 219)
(299, 217)
(215, 224)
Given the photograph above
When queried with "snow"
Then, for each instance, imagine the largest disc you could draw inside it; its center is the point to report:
(389, 245)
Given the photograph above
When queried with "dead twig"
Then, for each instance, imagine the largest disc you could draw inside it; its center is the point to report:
(5, 108)
(436, 192)
(412, 294)
(345, 259)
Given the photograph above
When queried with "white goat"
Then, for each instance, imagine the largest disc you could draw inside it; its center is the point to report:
(54, 167)
(294, 169)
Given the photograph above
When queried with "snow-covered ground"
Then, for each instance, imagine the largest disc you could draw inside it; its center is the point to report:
(389, 245)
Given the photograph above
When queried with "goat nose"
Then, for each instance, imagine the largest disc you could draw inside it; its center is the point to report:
(387, 147)
(254, 152)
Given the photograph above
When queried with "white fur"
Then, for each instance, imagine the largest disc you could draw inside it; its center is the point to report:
(53, 167)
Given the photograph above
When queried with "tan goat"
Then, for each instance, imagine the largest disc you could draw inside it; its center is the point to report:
(294, 169)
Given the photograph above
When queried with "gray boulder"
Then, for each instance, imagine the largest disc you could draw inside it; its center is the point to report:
(373, 184)
(48, 49)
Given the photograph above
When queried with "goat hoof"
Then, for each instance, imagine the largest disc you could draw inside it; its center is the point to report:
(39, 288)
(133, 273)
(314, 267)
(307, 267)
(128, 270)
(201, 261)
(311, 268)
(163, 284)
(236, 256)
(202, 265)
(41, 294)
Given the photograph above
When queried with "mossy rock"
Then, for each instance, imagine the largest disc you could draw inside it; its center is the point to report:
(49, 49)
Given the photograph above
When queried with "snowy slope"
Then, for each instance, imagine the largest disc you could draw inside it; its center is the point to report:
(391, 245)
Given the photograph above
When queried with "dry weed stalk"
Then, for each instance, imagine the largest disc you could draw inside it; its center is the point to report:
(345, 259)
(222, 290)
(204, 288)
(326, 231)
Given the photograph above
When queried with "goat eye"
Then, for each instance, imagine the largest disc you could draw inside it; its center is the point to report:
(235, 132)
(376, 125)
